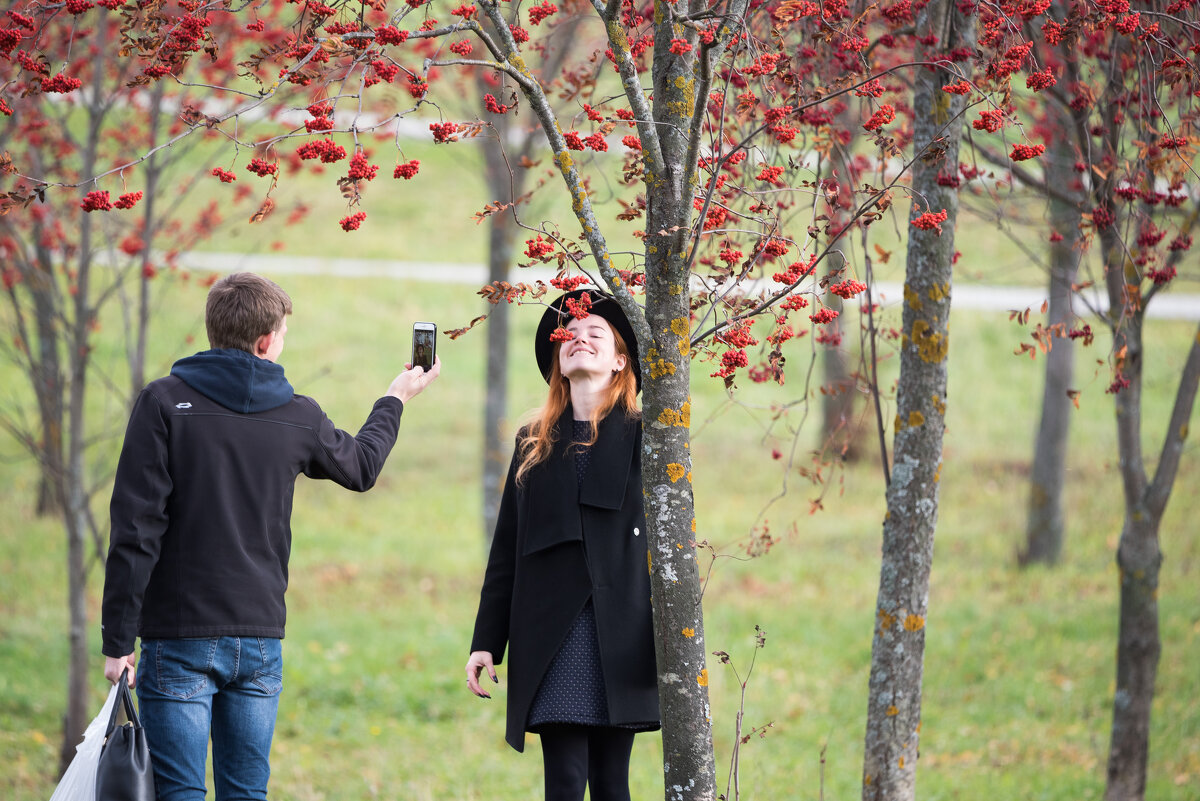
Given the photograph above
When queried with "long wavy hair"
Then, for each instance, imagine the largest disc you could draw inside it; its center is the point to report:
(537, 437)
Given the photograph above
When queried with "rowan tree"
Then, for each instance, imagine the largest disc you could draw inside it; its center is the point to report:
(85, 256)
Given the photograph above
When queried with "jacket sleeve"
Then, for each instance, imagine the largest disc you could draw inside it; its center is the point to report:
(495, 599)
(138, 520)
(354, 461)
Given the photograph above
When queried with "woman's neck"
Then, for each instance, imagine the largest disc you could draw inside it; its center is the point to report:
(587, 396)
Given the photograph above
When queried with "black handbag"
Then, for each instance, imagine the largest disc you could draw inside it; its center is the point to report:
(124, 772)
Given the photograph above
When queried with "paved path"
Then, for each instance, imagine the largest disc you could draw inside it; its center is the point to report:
(1172, 306)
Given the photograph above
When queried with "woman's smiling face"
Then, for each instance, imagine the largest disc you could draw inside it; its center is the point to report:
(592, 352)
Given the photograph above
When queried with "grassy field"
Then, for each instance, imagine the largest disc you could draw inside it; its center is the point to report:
(1019, 665)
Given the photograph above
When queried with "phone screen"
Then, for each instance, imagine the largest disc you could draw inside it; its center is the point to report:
(424, 345)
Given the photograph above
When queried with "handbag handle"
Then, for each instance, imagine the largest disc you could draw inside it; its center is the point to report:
(124, 699)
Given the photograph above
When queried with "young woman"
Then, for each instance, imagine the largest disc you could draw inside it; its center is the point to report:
(567, 589)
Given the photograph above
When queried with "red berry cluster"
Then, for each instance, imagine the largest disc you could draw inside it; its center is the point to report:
(466, 11)
(226, 177)
(1038, 81)
(823, 315)
(796, 271)
(128, 200)
(352, 222)
(444, 131)
(680, 46)
(321, 119)
(1162, 276)
(568, 283)
(494, 106)
(1129, 23)
(730, 256)
(770, 175)
(990, 120)
(578, 307)
(632, 142)
(931, 221)
(882, 116)
(561, 334)
(538, 248)
(361, 169)
(519, 34)
(539, 13)
(262, 167)
(461, 48)
(738, 335)
(1026, 152)
(794, 303)
(848, 288)
(61, 84)
(386, 70)
(78, 6)
(406, 170)
(775, 248)
(327, 150)
(96, 201)
(960, 88)
(730, 361)
(417, 87)
(390, 34)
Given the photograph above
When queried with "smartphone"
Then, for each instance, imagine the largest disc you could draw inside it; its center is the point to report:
(424, 345)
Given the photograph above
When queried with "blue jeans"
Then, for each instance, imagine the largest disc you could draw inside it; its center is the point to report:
(223, 687)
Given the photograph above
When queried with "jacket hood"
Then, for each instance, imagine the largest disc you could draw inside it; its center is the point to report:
(236, 379)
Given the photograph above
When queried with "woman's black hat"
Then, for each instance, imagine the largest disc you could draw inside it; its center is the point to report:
(556, 315)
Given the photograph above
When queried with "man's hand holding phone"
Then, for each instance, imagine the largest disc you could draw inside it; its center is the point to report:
(413, 380)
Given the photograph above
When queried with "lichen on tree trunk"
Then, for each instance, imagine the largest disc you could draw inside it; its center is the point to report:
(898, 648)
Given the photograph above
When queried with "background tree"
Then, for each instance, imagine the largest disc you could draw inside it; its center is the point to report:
(71, 267)
(1126, 108)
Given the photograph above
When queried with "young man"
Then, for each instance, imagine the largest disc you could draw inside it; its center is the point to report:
(198, 557)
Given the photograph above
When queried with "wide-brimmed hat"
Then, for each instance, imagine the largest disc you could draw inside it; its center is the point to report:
(556, 315)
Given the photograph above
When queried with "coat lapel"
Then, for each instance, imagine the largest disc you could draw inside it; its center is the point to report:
(552, 495)
(604, 483)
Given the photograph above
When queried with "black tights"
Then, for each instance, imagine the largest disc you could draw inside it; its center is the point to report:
(596, 757)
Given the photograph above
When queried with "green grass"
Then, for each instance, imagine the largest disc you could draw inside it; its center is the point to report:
(1019, 665)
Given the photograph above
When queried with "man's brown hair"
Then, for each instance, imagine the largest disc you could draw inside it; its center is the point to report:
(243, 307)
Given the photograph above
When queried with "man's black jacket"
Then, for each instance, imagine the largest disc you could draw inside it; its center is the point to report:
(202, 502)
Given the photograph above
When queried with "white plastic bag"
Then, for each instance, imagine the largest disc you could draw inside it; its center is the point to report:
(79, 782)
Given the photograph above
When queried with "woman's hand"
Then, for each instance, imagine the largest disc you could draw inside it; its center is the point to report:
(475, 665)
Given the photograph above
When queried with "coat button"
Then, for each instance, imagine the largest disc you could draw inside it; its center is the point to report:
(636, 532)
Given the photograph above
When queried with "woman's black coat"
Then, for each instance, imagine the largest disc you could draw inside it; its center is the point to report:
(557, 543)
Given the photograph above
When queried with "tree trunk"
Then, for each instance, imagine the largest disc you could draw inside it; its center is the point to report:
(1138, 649)
(46, 369)
(501, 235)
(75, 489)
(689, 767)
(1046, 524)
(898, 648)
(76, 718)
(839, 434)
(1139, 558)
